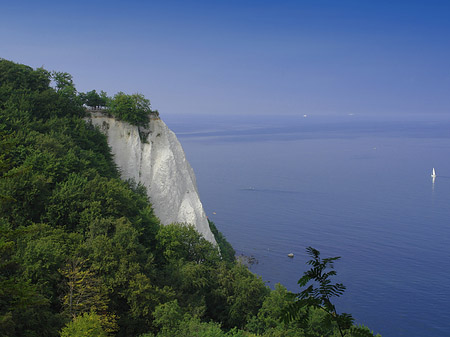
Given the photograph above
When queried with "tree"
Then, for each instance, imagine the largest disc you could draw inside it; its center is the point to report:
(320, 296)
(269, 316)
(86, 293)
(183, 242)
(227, 251)
(89, 324)
(16, 77)
(104, 99)
(134, 108)
(22, 306)
(62, 80)
(67, 99)
(25, 94)
(93, 99)
(83, 289)
(173, 321)
(237, 296)
(6, 144)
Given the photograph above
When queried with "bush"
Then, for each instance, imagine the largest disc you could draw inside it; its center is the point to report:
(134, 109)
(89, 324)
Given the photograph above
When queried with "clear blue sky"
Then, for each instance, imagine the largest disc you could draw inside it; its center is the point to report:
(244, 57)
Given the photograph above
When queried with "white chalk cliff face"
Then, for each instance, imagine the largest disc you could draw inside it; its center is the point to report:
(158, 162)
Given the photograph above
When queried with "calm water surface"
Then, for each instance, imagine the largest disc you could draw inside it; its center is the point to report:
(354, 187)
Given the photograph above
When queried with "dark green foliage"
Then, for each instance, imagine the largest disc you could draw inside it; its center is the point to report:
(268, 317)
(18, 76)
(88, 324)
(319, 295)
(19, 298)
(25, 95)
(226, 249)
(173, 321)
(180, 242)
(93, 99)
(57, 169)
(237, 296)
(134, 109)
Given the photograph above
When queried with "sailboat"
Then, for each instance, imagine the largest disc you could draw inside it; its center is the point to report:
(433, 174)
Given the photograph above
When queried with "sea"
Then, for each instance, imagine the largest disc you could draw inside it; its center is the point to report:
(354, 186)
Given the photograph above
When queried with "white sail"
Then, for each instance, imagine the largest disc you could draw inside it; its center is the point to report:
(434, 173)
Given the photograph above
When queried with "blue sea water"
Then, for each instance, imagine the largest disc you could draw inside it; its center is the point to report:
(349, 186)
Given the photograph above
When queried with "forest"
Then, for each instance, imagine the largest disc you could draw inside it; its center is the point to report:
(82, 253)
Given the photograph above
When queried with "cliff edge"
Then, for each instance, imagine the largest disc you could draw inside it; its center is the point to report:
(154, 157)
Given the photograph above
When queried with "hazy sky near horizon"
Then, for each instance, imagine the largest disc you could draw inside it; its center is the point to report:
(244, 57)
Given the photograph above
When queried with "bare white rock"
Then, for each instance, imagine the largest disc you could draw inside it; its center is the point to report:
(154, 157)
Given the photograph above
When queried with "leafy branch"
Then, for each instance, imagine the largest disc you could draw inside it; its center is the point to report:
(319, 294)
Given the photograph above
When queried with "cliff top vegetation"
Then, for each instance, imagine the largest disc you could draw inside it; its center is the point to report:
(134, 109)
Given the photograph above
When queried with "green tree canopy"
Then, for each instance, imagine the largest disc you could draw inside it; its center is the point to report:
(134, 108)
(87, 325)
(94, 99)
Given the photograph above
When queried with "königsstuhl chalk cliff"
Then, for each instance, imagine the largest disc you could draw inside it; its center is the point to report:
(154, 157)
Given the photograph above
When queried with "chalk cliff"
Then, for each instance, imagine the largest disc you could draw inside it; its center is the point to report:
(154, 157)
